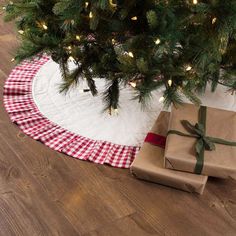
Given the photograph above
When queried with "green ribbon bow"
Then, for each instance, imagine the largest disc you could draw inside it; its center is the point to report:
(203, 142)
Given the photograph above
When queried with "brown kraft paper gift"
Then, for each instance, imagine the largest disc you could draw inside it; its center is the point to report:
(180, 151)
(149, 164)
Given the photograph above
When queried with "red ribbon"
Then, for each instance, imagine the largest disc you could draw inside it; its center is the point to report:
(156, 139)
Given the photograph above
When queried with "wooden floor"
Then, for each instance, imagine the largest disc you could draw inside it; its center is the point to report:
(43, 192)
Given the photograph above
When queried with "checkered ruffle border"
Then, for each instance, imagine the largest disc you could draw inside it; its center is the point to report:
(19, 103)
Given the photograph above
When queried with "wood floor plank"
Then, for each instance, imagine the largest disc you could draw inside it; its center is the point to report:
(133, 224)
(179, 213)
(24, 205)
(87, 200)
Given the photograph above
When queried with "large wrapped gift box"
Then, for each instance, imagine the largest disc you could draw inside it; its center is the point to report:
(149, 163)
(217, 131)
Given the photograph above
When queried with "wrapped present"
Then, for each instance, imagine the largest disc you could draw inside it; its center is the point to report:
(149, 163)
(201, 140)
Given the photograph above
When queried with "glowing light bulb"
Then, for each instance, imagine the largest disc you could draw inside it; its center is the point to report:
(90, 15)
(113, 41)
(21, 31)
(11, 3)
(214, 20)
(116, 111)
(45, 27)
(158, 41)
(112, 3)
(86, 4)
(188, 68)
(133, 84)
(161, 99)
(131, 54)
(195, 2)
(71, 58)
(13, 59)
(134, 18)
(170, 82)
(4, 8)
(77, 37)
(69, 47)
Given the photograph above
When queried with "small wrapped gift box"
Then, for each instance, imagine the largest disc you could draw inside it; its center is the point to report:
(149, 163)
(202, 140)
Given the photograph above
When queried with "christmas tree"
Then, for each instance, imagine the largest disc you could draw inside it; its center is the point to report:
(179, 45)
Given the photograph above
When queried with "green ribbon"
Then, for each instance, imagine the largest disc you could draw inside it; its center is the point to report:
(203, 142)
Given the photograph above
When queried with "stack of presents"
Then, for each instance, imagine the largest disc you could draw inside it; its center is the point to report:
(187, 145)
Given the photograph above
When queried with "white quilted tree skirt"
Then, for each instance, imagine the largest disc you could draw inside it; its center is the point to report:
(83, 114)
(75, 124)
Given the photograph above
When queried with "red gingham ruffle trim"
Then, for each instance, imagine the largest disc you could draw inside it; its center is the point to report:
(19, 103)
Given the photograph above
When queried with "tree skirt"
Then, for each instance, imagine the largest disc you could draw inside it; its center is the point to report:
(75, 124)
